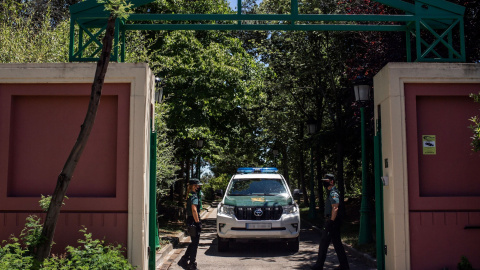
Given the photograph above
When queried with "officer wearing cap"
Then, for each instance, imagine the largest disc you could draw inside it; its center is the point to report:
(194, 226)
(331, 228)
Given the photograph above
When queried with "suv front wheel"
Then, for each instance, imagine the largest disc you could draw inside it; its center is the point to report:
(293, 245)
(223, 244)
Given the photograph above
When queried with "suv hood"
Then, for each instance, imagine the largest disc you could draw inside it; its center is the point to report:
(258, 200)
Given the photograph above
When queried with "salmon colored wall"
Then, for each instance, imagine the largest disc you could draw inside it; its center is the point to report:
(443, 189)
(39, 124)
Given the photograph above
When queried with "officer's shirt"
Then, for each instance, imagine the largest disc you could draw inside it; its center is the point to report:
(192, 199)
(200, 196)
(333, 197)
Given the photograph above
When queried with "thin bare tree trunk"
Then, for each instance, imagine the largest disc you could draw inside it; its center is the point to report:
(48, 231)
(286, 174)
(301, 167)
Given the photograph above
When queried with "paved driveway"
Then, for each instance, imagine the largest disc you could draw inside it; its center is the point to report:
(256, 255)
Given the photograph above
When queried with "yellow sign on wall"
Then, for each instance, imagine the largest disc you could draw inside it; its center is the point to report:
(429, 145)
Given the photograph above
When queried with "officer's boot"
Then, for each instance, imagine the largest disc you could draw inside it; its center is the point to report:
(192, 266)
(183, 262)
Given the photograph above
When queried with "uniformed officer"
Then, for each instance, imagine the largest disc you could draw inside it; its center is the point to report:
(331, 228)
(194, 226)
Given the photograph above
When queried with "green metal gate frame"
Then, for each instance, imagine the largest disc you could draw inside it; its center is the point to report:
(379, 214)
(436, 25)
(432, 23)
(153, 237)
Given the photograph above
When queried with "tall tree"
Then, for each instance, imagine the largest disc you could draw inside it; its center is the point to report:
(118, 9)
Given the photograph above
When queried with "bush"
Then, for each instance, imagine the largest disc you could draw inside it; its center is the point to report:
(14, 256)
(91, 254)
(464, 264)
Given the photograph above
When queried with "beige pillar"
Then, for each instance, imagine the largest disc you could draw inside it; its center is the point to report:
(389, 95)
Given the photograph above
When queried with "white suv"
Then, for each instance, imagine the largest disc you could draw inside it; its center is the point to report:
(258, 205)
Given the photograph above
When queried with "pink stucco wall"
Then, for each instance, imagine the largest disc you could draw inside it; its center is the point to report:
(443, 189)
(39, 124)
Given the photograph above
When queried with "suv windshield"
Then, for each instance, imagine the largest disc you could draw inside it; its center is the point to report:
(256, 186)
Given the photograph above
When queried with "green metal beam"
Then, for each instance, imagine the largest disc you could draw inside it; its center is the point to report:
(269, 17)
(268, 27)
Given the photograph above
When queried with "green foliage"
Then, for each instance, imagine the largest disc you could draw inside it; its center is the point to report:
(91, 254)
(215, 184)
(33, 33)
(18, 253)
(45, 202)
(136, 47)
(31, 38)
(118, 8)
(166, 165)
(475, 127)
(464, 264)
(193, 7)
(14, 256)
(30, 234)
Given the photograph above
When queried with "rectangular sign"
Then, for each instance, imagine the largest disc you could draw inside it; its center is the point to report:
(253, 226)
(429, 145)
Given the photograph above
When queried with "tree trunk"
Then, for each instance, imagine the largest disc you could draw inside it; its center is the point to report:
(48, 231)
(179, 184)
(192, 173)
(198, 166)
(301, 167)
(321, 203)
(319, 116)
(340, 171)
(187, 176)
(340, 134)
(286, 174)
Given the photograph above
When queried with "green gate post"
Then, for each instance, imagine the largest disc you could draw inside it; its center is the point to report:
(153, 241)
(379, 198)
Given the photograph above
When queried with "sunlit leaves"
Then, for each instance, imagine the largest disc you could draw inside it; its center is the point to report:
(25, 39)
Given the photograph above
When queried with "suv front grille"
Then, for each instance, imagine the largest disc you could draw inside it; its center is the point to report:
(258, 213)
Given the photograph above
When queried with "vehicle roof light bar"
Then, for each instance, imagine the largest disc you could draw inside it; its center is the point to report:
(245, 170)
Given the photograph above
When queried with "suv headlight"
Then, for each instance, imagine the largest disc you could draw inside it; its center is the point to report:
(226, 209)
(290, 209)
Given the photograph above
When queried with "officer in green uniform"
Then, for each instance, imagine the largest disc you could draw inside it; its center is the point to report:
(331, 228)
(194, 226)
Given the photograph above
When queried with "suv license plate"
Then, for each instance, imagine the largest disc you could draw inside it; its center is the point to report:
(251, 226)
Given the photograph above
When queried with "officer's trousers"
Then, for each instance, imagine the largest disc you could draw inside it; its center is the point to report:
(191, 252)
(332, 236)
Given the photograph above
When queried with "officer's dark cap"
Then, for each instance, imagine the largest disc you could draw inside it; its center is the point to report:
(328, 177)
(195, 181)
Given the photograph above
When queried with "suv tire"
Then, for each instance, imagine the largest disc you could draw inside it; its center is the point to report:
(223, 245)
(293, 245)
